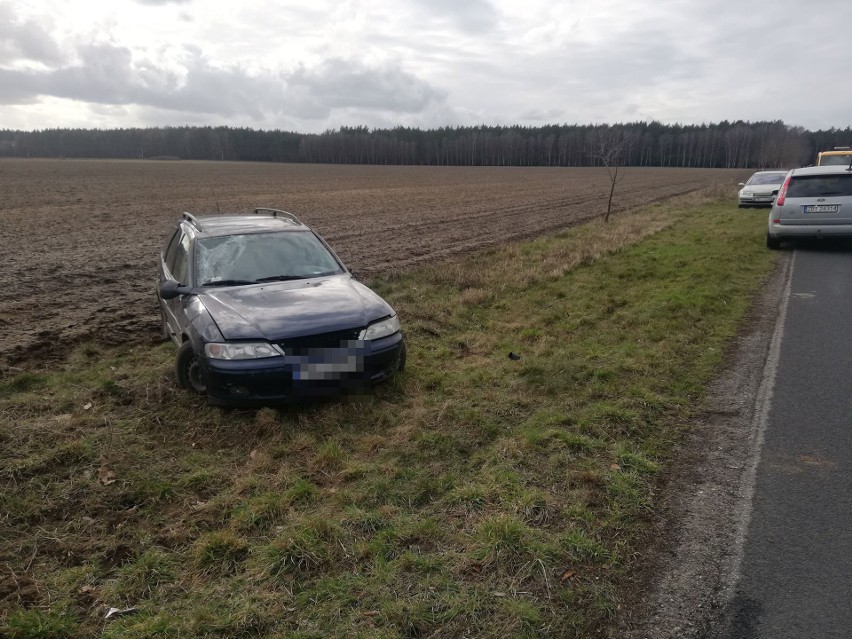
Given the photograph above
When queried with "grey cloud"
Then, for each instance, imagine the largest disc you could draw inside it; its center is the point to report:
(227, 92)
(541, 115)
(108, 75)
(473, 16)
(17, 87)
(25, 40)
(341, 84)
(103, 76)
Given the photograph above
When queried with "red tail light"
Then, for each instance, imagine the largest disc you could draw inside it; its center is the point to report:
(779, 200)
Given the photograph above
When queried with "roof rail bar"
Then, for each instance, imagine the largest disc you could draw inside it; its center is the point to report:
(278, 213)
(189, 217)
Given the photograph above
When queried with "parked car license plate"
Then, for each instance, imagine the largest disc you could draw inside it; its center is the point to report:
(328, 370)
(820, 208)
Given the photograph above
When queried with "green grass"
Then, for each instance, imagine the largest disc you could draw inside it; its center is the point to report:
(476, 495)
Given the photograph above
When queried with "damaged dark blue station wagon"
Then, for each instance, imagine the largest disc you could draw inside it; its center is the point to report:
(263, 311)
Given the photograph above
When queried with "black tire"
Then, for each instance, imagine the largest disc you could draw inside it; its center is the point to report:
(402, 357)
(188, 370)
(772, 242)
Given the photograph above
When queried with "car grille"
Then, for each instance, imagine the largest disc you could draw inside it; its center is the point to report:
(335, 339)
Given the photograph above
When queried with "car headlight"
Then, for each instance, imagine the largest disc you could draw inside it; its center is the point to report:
(382, 328)
(746, 194)
(241, 350)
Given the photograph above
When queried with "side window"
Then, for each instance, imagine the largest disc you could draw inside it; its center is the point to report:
(171, 250)
(181, 259)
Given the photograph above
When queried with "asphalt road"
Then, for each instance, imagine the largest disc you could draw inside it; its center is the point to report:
(795, 574)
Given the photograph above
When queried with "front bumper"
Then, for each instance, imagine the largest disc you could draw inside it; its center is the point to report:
(327, 373)
(758, 201)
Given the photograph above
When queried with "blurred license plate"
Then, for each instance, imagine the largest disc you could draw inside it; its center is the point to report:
(820, 208)
(329, 370)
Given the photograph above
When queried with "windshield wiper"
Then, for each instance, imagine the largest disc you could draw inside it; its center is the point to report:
(280, 278)
(228, 282)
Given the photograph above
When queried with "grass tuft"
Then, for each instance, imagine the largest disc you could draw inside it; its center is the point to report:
(220, 552)
(38, 624)
(23, 383)
(143, 577)
(301, 549)
(507, 542)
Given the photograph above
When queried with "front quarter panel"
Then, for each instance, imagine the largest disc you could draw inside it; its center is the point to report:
(198, 324)
(374, 305)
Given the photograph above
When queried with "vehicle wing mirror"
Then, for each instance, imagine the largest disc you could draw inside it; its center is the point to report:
(171, 289)
(741, 184)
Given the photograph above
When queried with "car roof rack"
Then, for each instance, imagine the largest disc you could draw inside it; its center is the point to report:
(189, 217)
(278, 213)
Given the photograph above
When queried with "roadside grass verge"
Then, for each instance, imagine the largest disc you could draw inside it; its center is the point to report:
(475, 495)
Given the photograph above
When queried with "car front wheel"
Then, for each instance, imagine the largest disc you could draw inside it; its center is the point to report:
(188, 370)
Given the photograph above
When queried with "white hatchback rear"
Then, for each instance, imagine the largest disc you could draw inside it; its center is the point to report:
(813, 202)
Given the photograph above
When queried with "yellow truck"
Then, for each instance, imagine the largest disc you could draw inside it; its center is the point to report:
(841, 155)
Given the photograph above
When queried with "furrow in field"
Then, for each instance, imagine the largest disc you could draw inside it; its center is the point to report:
(81, 238)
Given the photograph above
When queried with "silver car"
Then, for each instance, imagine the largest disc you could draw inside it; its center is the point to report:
(758, 191)
(813, 202)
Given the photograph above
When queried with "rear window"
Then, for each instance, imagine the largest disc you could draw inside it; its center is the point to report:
(835, 160)
(820, 185)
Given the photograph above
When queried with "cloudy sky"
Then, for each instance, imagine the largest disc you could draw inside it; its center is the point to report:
(313, 65)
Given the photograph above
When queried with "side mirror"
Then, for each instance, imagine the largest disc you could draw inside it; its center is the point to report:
(741, 184)
(171, 289)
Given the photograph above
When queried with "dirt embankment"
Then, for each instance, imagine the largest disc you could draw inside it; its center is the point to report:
(80, 238)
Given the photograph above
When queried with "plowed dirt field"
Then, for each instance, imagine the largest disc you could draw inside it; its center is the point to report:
(80, 239)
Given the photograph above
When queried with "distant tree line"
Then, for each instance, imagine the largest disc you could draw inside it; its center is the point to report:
(722, 145)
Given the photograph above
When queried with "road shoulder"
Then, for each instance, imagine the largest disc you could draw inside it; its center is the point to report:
(690, 571)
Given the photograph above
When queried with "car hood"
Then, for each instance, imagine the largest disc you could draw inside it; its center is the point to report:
(284, 310)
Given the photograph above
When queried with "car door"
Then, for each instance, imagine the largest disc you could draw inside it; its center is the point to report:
(176, 267)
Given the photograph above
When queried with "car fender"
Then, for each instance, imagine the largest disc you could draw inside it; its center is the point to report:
(200, 327)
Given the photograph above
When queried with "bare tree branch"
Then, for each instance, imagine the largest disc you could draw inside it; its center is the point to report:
(606, 146)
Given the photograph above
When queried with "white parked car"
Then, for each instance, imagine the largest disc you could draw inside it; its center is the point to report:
(758, 191)
(813, 202)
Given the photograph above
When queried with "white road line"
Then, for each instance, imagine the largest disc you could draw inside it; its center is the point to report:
(760, 420)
